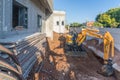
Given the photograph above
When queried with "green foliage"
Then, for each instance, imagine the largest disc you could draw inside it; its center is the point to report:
(75, 24)
(105, 20)
(114, 13)
(113, 23)
(98, 16)
(97, 24)
(67, 27)
(111, 18)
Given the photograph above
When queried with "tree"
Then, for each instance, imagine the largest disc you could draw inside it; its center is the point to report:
(114, 13)
(105, 20)
(98, 16)
(75, 24)
(113, 24)
(97, 24)
(67, 27)
(110, 18)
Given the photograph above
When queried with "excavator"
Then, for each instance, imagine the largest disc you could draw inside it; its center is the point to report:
(77, 39)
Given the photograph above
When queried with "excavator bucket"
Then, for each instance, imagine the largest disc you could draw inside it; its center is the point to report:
(107, 69)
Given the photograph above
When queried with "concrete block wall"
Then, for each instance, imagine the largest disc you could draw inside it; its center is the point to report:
(5, 16)
(7, 19)
(33, 12)
(34, 8)
(1, 14)
(6, 13)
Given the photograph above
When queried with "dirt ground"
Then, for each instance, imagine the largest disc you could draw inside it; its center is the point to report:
(58, 66)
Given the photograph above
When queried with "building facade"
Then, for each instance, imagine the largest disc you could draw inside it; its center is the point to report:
(56, 23)
(23, 25)
(59, 21)
(24, 16)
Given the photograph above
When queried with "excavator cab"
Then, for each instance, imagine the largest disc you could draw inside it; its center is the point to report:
(72, 48)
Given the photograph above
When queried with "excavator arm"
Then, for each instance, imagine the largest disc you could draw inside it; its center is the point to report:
(107, 39)
(108, 42)
(108, 46)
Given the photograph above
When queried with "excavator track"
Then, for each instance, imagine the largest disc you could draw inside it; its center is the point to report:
(77, 51)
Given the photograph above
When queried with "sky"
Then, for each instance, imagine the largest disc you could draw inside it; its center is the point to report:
(84, 10)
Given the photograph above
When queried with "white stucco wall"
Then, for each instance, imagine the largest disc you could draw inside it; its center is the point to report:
(51, 23)
(49, 27)
(59, 16)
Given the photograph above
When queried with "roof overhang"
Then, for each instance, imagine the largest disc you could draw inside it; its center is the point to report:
(48, 5)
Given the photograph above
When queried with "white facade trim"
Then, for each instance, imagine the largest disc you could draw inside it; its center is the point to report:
(59, 12)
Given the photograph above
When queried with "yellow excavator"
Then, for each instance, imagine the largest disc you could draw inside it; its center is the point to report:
(77, 40)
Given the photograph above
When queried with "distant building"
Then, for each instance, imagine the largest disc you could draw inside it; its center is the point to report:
(59, 21)
(90, 24)
(56, 23)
